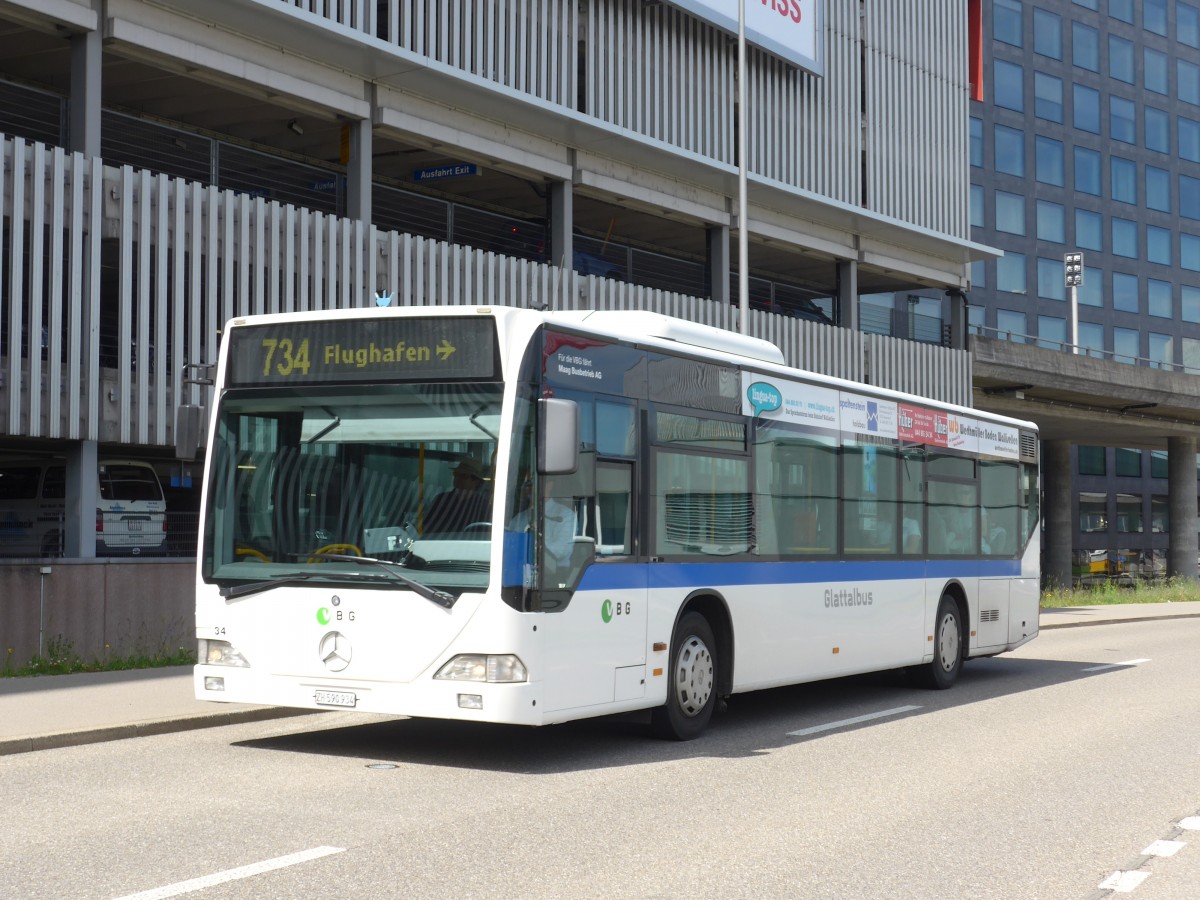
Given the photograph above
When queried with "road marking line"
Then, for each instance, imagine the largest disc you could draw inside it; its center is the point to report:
(1123, 882)
(1164, 848)
(1131, 662)
(1191, 823)
(268, 865)
(844, 723)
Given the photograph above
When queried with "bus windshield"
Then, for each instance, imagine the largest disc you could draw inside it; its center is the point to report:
(319, 484)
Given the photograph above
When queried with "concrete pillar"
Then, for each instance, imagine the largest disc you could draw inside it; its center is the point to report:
(358, 172)
(717, 239)
(847, 294)
(83, 492)
(561, 202)
(1058, 539)
(1181, 507)
(87, 51)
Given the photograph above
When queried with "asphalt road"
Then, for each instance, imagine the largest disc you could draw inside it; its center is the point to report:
(1044, 773)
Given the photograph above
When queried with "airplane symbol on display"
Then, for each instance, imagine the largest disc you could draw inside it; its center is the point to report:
(444, 349)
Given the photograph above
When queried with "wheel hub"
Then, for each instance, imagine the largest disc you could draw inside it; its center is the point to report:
(948, 643)
(693, 676)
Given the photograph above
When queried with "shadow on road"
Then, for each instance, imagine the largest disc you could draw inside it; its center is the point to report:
(753, 724)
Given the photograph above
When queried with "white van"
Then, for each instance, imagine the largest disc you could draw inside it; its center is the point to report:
(130, 511)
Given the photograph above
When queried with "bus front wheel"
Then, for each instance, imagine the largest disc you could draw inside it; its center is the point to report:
(692, 681)
(943, 671)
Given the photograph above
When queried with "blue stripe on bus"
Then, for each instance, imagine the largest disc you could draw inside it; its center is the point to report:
(618, 576)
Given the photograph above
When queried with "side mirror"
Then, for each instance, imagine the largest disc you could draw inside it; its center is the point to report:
(187, 431)
(558, 437)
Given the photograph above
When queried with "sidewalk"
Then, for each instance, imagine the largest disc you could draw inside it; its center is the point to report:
(66, 710)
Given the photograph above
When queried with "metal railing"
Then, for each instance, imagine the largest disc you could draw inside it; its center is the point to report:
(1016, 337)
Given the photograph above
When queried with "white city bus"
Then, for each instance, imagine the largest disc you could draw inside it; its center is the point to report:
(653, 515)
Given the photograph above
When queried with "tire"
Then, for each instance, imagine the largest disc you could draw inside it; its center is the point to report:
(692, 681)
(947, 662)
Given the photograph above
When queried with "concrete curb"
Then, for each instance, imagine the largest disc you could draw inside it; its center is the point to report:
(1085, 623)
(10, 746)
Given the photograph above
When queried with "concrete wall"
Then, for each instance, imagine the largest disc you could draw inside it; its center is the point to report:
(103, 608)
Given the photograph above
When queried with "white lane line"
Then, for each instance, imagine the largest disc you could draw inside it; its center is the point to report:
(1123, 882)
(845, 723)
(1164, 848)
(267, 865)
(1131, 662)
(1191, 823)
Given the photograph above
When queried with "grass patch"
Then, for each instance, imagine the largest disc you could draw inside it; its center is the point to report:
(60, 658)
(1172, 590)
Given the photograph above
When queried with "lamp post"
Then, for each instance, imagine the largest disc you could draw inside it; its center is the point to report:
(1073, 271)
(743, 223)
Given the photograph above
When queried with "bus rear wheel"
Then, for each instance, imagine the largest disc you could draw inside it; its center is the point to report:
(692, 682)
(943, 671)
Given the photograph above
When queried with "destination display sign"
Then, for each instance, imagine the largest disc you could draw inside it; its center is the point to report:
(362, 350)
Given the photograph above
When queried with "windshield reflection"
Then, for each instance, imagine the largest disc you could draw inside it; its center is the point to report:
(308, 481)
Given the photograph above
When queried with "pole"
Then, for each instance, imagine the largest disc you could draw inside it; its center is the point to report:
(1075, 318)
(743, 223)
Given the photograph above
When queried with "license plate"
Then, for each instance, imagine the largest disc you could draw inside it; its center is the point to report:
(335, 698)
(134, 526)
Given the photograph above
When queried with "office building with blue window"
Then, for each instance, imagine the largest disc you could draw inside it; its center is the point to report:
(1085, 137)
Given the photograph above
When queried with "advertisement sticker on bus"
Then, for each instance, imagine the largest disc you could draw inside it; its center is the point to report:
(789, 401)
(999, 440)
(919, 426)
(865, 415)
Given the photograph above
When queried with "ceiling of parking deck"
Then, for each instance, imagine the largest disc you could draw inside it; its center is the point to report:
(42, 59)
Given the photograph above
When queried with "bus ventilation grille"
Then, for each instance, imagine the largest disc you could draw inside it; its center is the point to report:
(1028, 447)
(989, 615)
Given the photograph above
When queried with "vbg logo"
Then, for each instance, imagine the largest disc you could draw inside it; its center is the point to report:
(608, 609)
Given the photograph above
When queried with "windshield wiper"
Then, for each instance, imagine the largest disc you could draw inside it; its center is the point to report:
(441, 598)
(254, 587)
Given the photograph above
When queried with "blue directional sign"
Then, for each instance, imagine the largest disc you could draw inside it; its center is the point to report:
(453, 170)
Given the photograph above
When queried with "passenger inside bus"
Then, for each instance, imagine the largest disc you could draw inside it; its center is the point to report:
(463, 505)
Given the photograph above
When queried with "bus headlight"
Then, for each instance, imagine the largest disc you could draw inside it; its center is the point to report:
(505, 668)
(220, 653)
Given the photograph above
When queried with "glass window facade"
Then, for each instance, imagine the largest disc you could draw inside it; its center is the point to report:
(1120, 59)
(1158, 130)
(1006, 21)
(1158, 245)
(1089, 229)
(1123, 182)
(1121, 120)
(1010, 273)
(1087, 170)
(1158, 188)
(1049, 160)
(1051, 281)
(1086, 108)
(1158, 298)
(1010, 151)
(1124, 238)
(1085, 47)
(1008, 86)
(1047, 97)
(1154, 71)
(1125, 292)
(1010, 212)
(1051, 222)
(1047, 33)
(1126, 347)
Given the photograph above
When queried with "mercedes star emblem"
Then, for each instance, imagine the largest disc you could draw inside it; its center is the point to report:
(335, 651)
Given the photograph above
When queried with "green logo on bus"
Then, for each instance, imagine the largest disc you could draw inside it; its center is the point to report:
(323, 615)
(606, 611)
